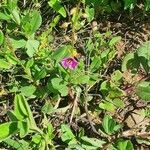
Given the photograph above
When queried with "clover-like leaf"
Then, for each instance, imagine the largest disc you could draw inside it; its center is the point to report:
(143, 90)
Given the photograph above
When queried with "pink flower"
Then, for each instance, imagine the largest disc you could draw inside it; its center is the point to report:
(69, 62)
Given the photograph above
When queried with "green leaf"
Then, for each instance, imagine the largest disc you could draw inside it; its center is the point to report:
(105, 88)
(61, 53)
(12, 116)
(32, 47)
(90, 12)
(36, 21)
(56, 5)
(8, 129)
(29, 63)
(40, 74)
(19, 113)
(67, 135)
(56, 83)
(124, 145)
(75, 147)
(4, 16)
(64, 90)
(114, 40)
(22, 110)
(12, 59)
(50, 130)
(107, 106)
(118, 102)
(83, 79)
(15, 16)
(18, 43)
(116, 76)
(28, 91)
(93, 141)
(143, 90)
(131, 61)
(144, 55)
(60, 85)
(17, 144)
(109, 125)
(4, 64)
(36, 139)
(87, 147)
(1, 37)
(12, 4)
(23, 128)
(48, 108)
(96, 63)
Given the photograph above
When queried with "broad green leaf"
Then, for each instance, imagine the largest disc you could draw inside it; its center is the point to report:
(23, 128)
(131, 62)
(3, 16)
(62, 52)
(67, 135)
(1, 37)
(36, 139)
(83, 79)
(75, 147)
(115, 92)
(116, 76)
(22, 110)
(96, 63)
(107, 106)
(26, 25)
(8, 129)
(17, 144)
(124, 145)
(28, 91)
(4, 64)
(111, 147)
(48, 108)
(29, 63)
(50, 130)
(18, 43)
(12, 4)
(56, 83)
(32, 47)
(40, 74)
(144, 55)
(115, 40)
(118, 102)
(60, 85)
(19, 113)
(93, 141)
(89, 147)
(105, 88)
(109, 125)
(56, 5)
(90, 12)
(143, 90)
(12, 116)
(12, 59)
(64, 90)
(36, 21)
(15, 16)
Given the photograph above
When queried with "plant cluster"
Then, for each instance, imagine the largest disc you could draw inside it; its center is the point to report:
(63, 85)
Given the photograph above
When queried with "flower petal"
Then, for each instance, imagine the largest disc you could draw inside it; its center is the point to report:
(64, 63)
(69, 62)
(74, 64)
